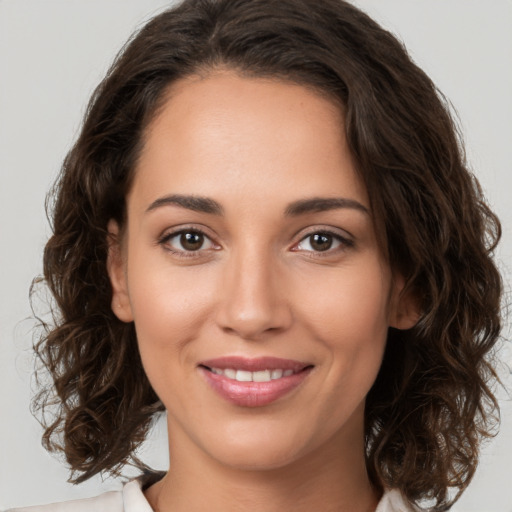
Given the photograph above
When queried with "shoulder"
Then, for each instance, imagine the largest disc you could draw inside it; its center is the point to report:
(394, 501)
(129, 499)
(109, 501)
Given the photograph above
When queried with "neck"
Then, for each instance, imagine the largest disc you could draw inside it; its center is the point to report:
(333, 479)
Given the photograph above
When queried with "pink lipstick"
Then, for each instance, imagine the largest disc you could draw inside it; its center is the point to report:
(253, 382)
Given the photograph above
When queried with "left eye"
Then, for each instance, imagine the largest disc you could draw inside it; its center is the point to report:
(321, 242)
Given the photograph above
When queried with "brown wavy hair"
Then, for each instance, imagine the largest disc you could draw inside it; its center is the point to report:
(432, 402)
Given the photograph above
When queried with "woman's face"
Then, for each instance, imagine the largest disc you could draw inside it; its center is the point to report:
(249, 255)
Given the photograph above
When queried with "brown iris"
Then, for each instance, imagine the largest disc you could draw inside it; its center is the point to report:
(191, 241)
(321, 241)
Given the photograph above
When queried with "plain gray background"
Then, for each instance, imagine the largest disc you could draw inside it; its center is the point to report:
(53, 53)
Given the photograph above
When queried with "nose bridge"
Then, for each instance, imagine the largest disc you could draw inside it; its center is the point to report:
(252, 301)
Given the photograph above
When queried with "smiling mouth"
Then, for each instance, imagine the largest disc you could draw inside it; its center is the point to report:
(254, 382)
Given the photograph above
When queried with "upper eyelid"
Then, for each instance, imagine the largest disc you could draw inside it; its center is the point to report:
(171, 232)
(338, 232)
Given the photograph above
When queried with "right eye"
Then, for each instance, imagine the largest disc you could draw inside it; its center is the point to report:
(187, 242)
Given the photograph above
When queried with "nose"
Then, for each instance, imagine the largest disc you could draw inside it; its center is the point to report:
(253, 300)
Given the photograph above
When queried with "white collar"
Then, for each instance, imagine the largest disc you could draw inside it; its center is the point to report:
(133, 497)
(135, 501)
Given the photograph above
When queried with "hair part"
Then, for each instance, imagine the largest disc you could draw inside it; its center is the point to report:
(432, 402)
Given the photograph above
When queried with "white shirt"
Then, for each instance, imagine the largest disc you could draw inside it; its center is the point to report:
(132, 499)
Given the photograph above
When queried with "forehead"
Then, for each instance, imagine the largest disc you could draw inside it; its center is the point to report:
(225, 133)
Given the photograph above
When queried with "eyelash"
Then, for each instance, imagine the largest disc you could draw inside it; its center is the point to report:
(345, 243)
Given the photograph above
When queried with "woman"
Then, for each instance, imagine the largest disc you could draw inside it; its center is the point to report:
(266, 228)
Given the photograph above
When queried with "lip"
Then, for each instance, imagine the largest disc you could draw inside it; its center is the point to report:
(254, 394)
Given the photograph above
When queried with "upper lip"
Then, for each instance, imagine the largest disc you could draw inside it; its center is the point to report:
(255, 364)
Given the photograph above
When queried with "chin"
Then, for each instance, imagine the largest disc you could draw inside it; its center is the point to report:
(257, 459)
(258, 449)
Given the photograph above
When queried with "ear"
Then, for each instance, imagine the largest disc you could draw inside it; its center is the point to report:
(116, 268)
(404, 306)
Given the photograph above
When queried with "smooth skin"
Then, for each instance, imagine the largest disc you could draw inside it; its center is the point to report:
(255, 279)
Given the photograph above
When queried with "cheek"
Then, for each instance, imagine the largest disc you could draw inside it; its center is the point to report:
(169, 307)
(353, 304)
(349, 319)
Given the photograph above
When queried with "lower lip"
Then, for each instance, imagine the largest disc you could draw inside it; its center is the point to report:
(253, 394)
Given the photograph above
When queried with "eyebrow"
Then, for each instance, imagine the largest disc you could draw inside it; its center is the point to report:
(195, 203)
(322, 204)
(207, 205)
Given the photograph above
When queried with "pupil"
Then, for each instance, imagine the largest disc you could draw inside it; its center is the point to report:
(191, 241)
(321, 242)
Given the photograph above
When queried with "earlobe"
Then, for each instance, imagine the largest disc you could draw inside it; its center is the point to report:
(116, 269)
(405, 309)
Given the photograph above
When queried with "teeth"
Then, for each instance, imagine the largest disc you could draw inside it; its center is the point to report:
(276, 374)
(259, 376)
(243, 376)
(228, 372)
(263, 376)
